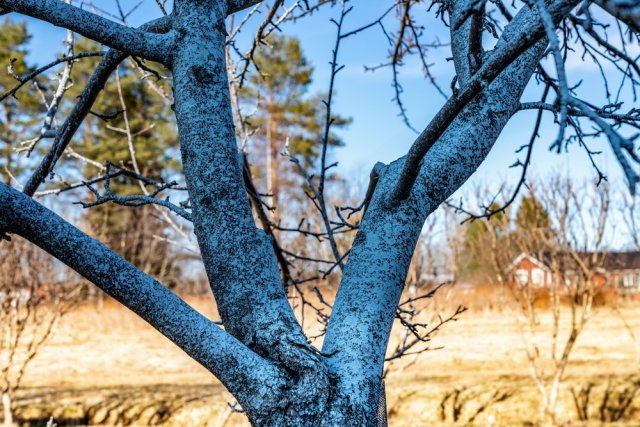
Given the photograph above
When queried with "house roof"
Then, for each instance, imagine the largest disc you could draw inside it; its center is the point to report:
(516, 262)
(622, 260)
(609, 261)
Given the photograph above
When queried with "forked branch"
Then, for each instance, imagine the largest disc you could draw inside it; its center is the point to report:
(529, 30)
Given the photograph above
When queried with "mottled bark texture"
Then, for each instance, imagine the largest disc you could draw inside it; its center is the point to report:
(262, 356)
(238, 257)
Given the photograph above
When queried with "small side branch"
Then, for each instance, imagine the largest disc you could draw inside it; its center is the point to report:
(83, 107)
(26, 78)
(503, 56)
(52, 107)
(149, 198)
(628, 11)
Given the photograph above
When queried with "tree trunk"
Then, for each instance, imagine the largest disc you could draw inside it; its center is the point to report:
(275, 170)
(6, 405)
(273, 167)
(262, 356)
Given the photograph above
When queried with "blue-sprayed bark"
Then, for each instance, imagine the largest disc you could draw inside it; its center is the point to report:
(374, 277)
(238, 257)
(263, 357)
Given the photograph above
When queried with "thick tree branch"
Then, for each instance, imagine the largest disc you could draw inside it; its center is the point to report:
(628, 11)
(250, 378)
(234, 6)
(266, 224)
(370, 290)
(522, 33)
(238, 257)
(155, 47)
(466, 39)
(82, 107)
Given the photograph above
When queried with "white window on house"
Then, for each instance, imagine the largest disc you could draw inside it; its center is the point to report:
(521, 277)
(536, 276)
(630, 280)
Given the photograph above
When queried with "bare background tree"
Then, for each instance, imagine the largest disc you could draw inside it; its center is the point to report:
(34, 295)
(571, 242)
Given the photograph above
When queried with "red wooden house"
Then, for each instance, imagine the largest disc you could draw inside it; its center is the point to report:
(618, 272)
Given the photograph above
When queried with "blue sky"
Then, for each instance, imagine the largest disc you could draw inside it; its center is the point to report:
(377, 133)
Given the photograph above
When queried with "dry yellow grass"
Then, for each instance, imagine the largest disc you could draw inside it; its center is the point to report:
(105, 366)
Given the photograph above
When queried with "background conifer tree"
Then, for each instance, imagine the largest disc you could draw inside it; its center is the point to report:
(154, 139)
(287, 117)
(17, 114)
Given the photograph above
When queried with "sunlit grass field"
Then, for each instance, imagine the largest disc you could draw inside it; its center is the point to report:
(104, 366)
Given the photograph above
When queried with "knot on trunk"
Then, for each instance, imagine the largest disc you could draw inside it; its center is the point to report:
(305, 399)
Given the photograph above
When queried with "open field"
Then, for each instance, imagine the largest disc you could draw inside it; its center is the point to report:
(106, 367)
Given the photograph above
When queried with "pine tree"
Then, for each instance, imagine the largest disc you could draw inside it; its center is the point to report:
(531, 214)
(287, 115)
(477, 261)
(17, 114)
(125, 229)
